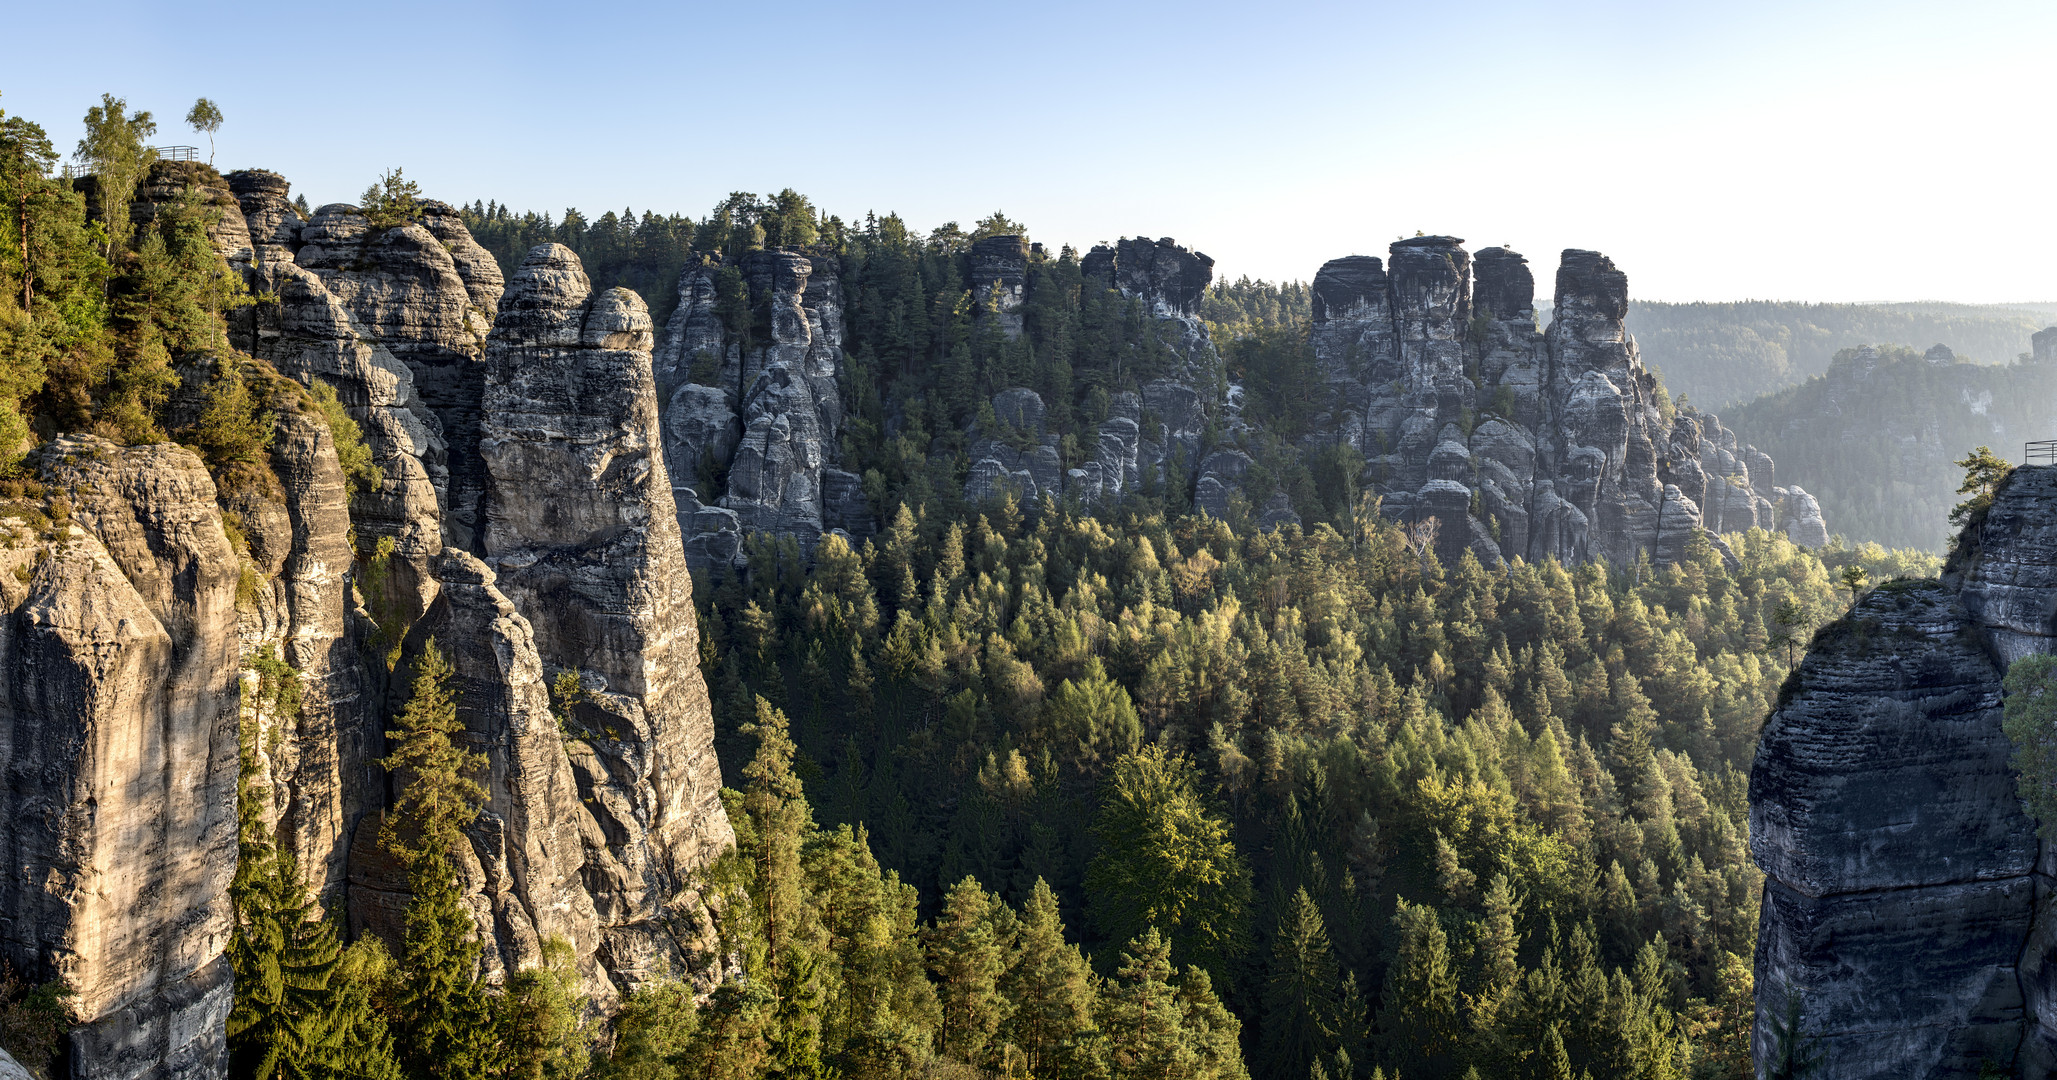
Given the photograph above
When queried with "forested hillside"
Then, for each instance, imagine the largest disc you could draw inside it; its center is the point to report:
(1877, 437)
(1022, 788)
(1722, 354)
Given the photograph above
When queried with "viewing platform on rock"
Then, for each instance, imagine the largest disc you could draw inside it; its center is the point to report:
(2040, 452)
(176, 153)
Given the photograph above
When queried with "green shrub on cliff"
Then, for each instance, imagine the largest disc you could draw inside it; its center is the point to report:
(2031, 723)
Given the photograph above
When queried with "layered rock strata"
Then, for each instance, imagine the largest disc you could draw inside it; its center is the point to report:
(1908, 927)
(1522, 442)
(426, 291)
(751, 422)
(583, 533)
(121, 652)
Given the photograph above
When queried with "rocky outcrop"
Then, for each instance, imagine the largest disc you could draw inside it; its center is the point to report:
(999, 280)
(1168, 280)
(310, 335)
(119, 738)
(425, 291)
(751, 420)
(1908, 925)
(533, 840)
(583, 533)
(1520, 442)
(316, 746)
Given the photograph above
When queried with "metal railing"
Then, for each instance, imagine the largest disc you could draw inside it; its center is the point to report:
(176, 153)
(2042, 452)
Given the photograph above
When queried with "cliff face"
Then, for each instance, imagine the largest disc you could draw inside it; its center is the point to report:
(1907, 928)
(751, 414)
(147, 606)
(120, 644)
(1520, 442)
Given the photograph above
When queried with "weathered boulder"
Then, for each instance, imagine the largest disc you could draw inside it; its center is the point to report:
(582, 530)
(120, 746)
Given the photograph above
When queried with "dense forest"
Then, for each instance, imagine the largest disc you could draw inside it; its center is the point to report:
(1721, 354)
(1876, 438)
(1019, 790)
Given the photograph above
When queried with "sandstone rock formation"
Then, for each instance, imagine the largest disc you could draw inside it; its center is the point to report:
(1520, 442)
(151, 606)
(761, 414)
(426, 292)
(121, 654)
(581, 528)
(1908, 926)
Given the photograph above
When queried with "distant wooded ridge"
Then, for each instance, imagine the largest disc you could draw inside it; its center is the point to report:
(1720, 354)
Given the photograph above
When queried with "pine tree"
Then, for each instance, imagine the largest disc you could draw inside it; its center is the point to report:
(967, 956)
(1145, 1025)
(1301, 993)
(446, 1017)
(1418, 1020)
(284, 954)
(1052, 993)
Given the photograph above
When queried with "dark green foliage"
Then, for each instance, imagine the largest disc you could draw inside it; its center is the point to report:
(1166, 861)
(444, 1011)
(304, 1003)
(34, 1018)
(394, 200)
(1510, 751)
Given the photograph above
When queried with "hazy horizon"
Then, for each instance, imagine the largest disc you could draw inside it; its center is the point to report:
(1823, 152)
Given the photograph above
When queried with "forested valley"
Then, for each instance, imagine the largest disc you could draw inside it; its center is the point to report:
(1019, 789)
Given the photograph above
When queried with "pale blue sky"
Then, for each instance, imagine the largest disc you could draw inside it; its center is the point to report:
(1819, 151)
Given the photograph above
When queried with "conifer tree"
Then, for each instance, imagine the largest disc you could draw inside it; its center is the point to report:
(1052, 993)
(1419, 1017)
(1145, 1025)
(446, 1017)
(1166, 859)
(1301, 993)
(967, 956)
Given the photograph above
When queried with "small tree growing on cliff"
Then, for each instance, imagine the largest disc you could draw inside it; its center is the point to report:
(2031, 724)
(1983, 471)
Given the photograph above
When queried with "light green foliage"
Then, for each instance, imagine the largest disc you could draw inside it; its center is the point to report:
(547, 1032)
(359, 470)
(233, 429)
(2031, 723)
(1984, 472)
(115, 151)
(394, 200)
(205, 117)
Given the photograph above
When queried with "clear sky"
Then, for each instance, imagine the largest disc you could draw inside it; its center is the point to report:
(1795, 150)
